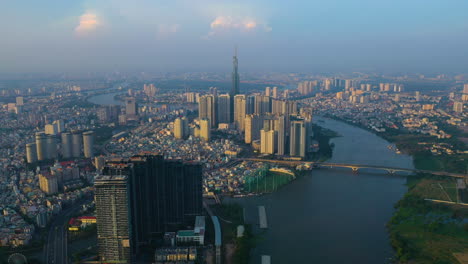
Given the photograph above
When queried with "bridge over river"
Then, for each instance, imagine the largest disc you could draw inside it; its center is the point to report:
(356, 167)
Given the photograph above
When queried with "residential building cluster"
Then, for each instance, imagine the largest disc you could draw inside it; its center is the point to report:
(384, 111)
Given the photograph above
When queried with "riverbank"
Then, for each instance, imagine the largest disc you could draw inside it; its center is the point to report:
(267, 180)
(422, 231)
(419, 146)
(237, 249)
(325, 148)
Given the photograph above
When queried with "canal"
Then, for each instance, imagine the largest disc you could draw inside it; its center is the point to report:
(332, 215)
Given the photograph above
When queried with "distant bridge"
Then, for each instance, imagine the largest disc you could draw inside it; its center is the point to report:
(356, 167)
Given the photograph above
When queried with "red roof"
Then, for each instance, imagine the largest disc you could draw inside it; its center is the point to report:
(74, 222)
(66, 163)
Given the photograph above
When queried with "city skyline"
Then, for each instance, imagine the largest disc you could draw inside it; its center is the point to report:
(338, 134)
(86, 36)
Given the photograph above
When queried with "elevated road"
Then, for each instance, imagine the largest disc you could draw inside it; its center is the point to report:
(356, 167)
(56, 249)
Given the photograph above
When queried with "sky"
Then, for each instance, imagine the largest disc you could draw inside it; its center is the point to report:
(200, 35)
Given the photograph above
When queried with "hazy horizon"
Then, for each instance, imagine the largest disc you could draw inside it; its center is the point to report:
(164, 36)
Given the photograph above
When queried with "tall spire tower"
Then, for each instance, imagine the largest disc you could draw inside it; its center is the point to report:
(235, 75)
(235, 82)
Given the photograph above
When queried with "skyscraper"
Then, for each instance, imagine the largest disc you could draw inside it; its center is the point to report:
(278, 107)
(253, 125)
(235, 82)
(178, 128)
(306, 87)
(458, 107)
(51, 147)
(41, 146)
(149, 90)
(205, 129)
(280, 127)
(31, 153)
(275, 92)
(239, 111)
(297, 139)
(207, 109)
(348, 84)
(113, 211)
(224, 108)
(67, 145)
(159, 196)
(235, 76)
(76, 144)
(327, 84)
(185, 127)
(262, 104)
(250, 105)
(268, 91)
(131, 110)
(268, 141)
(88, 143)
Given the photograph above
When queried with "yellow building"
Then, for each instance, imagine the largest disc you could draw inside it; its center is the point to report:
(178, 129)
(48, 183)
(428, 107)
(339, 95)
(205, 126)
(87, 219)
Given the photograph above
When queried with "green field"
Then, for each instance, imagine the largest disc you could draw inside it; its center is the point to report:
(454, 163)
(425, 232)
(270, 183)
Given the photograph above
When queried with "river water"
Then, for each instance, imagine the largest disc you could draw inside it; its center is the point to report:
(106, 99)
(333, 215)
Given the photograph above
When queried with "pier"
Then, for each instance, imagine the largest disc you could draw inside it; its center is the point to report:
(262, 217)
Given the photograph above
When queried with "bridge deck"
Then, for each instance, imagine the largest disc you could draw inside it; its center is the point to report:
(359, 166)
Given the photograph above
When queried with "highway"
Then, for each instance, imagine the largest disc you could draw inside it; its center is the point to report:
(218, 236)
(56, 249)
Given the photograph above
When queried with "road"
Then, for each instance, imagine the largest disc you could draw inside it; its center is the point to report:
(56, 249)
(218, 236)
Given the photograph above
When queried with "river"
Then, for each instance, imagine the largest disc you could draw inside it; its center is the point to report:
(106, 99)
(333, 215)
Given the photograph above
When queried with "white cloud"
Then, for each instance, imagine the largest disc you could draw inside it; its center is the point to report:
(228, 23)
(88, 22)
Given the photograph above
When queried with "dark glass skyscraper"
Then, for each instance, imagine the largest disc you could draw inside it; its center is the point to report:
(163, 195)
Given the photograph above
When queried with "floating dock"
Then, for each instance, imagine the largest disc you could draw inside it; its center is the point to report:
(262, 217)
(266, 259)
